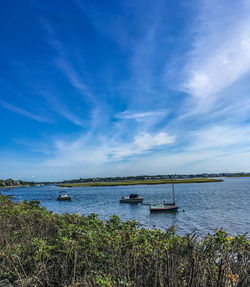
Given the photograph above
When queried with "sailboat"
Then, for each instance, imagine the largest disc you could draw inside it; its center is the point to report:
(165, 206)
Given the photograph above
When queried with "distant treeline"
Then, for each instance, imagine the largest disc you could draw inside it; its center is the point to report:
(13, 182)
(142, 182)
(154, 177)
(39, 248)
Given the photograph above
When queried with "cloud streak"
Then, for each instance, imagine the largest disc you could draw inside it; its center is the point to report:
(138, 116)
(23, 112)
(61, 62)
(106, 152)
(62, 110)
(142, 144)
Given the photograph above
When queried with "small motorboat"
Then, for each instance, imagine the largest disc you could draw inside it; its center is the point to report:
(132, 198)
(64, 197)
(162, 207)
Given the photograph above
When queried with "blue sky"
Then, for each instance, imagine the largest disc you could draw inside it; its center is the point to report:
(112, 88)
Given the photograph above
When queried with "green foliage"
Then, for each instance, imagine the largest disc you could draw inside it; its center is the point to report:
(13, 183)
(74, 250)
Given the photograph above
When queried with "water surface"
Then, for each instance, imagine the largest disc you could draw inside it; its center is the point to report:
(202, 206)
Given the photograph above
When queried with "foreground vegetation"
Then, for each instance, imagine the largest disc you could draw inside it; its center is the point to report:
(40, 248)
(146, 181)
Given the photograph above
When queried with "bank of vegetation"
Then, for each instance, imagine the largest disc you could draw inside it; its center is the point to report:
(8, 183)
(145, 181)
(39, 248)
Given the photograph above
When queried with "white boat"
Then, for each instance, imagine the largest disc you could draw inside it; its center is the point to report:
(132, 198)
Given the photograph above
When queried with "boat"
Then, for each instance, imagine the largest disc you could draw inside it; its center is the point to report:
(132, 198)
(165, 206)
(64, 197)
(162, 207)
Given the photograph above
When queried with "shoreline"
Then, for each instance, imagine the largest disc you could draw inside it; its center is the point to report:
(14, 186)
(143, 182)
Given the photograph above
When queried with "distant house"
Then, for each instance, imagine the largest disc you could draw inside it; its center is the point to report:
(204, 175)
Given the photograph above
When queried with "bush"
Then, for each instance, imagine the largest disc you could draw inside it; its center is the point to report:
(74, 250)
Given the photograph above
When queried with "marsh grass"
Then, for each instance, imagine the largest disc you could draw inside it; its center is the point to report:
(73, 250)
(141, 182)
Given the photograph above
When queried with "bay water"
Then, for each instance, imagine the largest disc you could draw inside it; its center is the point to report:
(203, 207)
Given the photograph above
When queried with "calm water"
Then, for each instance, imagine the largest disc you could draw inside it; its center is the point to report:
(204, 206)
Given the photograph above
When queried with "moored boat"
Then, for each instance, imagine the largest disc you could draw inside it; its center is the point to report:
(132, 198)
(162, 207)
(64, 197)
(165, 206)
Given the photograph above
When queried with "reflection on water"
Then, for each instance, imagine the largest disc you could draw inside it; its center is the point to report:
(204, 206)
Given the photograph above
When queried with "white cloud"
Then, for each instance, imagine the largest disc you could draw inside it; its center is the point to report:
(221, 51)
(80, 154)
(220, 138)
(127, 115)
(147, 141)
(142, 143)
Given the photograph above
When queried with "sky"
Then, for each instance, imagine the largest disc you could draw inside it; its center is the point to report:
(118, 88)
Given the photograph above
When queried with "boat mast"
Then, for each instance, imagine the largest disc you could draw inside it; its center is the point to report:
(173, 191)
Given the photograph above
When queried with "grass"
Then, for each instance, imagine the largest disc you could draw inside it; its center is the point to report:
(141, 182)
(72, 250)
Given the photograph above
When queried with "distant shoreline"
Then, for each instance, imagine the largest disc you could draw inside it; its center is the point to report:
(143, 182)
(14, 186)
(247, 175)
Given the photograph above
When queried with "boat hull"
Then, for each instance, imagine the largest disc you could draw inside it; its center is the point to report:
(64, 199)
(163, 208)
(131, 200)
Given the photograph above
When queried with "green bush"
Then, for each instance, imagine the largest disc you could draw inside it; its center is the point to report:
(73, 250)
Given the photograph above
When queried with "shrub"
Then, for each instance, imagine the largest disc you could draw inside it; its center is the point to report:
(74, 250)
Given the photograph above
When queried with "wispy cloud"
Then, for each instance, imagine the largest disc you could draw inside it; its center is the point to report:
(221, 138)
(142, 143)
(73, 77)
(25, 113)
(62, 109)
(148, 153)
(80, 153)
(77, 154)
(221, 51)
(138, 116)
(135, 29)
(62, 61)
(65, 64)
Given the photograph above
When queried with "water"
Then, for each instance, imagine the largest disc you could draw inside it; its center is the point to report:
(204, 206)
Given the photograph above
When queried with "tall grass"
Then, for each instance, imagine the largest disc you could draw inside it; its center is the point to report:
(143, 181)
(73, 250)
